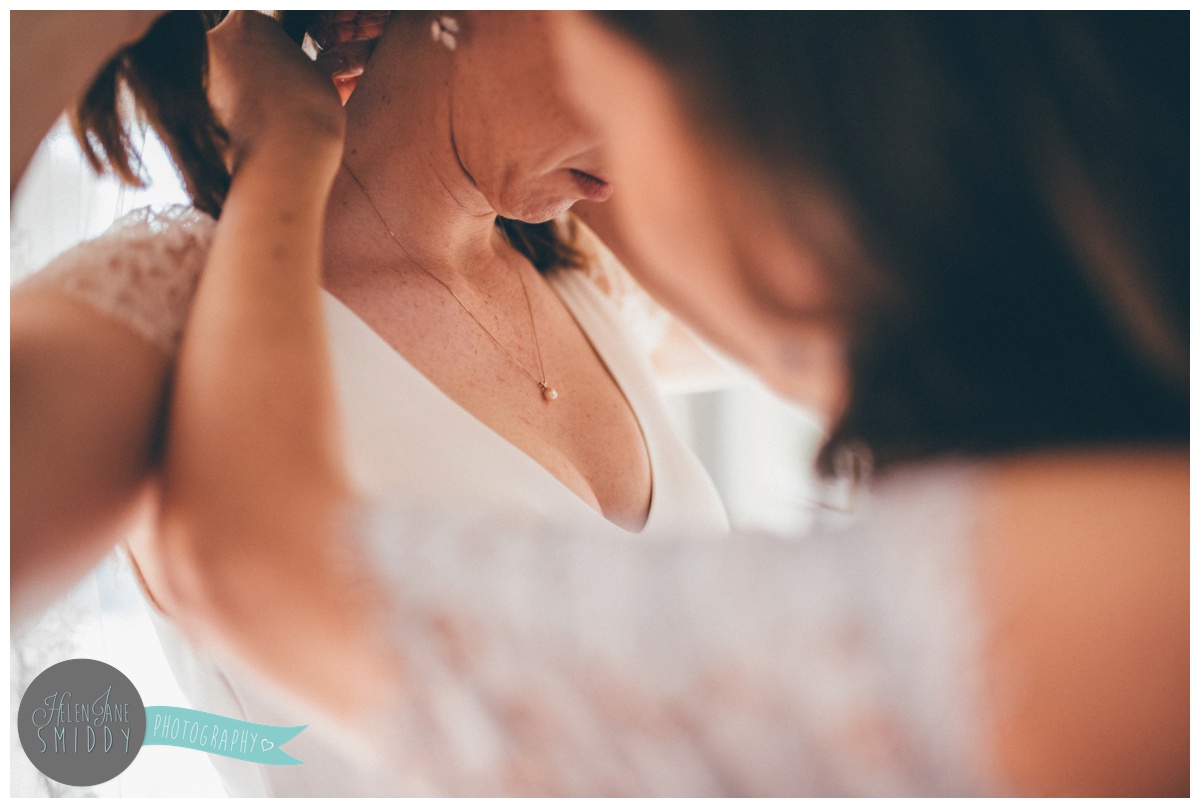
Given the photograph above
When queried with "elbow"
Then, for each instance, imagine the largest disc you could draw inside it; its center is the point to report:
(269, 593)
(226, 569)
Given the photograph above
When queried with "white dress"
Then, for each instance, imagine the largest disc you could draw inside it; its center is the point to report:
(403, 435)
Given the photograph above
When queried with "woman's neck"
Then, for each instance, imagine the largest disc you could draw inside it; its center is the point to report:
(400, 146)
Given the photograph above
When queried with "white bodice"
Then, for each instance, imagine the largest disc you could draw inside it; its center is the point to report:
(405, 435)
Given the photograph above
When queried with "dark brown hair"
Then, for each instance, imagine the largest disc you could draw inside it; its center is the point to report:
(1020, 184)
(166, 72)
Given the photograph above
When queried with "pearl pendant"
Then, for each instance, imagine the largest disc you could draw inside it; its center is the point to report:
(548, 393)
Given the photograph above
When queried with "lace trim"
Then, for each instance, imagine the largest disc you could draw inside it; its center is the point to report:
(142, 271)
(680, 361)
(646, 320)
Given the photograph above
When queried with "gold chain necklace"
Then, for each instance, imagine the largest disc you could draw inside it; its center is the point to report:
(548, 392)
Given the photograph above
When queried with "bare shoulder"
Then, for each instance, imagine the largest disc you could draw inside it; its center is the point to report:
(1084, 564)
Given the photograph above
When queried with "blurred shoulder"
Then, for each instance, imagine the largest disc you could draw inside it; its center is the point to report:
(1084, 566)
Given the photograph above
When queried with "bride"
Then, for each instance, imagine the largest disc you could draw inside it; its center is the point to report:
(1007, 609)
(478, 365)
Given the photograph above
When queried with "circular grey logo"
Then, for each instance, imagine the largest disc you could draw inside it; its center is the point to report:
(81, 722)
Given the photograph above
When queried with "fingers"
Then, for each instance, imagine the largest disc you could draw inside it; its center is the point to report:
(346, 40)
(260, 83)
(346, 59)
(335, 27)
(343, 74)
(343, 63)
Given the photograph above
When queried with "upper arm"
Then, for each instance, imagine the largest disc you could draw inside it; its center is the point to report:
(94, 336)
(87, 396)
(1086, 568)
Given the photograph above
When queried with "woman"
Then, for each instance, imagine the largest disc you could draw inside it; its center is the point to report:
(1012, 621)
(530, 397)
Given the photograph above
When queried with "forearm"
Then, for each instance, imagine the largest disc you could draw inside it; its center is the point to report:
(254, 405)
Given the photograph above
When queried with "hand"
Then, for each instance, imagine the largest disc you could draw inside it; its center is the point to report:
(267, 93)
(346, 40)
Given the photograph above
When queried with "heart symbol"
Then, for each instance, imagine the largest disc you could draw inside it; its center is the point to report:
(267, 745)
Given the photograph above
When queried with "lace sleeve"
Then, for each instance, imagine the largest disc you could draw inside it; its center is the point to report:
(142, 272)
(681, 361)
(540, 662)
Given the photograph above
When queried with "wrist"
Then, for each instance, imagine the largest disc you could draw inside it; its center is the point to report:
(301, 155)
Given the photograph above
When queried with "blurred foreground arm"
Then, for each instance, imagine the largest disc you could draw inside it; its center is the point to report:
(54, 56)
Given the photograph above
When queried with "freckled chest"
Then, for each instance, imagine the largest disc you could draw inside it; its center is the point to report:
(588, 438)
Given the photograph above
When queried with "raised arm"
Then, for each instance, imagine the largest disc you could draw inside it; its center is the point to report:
(94, 334)
(249, 551)
(86, 389)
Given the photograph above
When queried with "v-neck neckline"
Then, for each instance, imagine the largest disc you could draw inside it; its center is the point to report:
(588, 326)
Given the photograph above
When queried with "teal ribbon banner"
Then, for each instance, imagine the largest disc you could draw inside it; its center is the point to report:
(231, 737)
